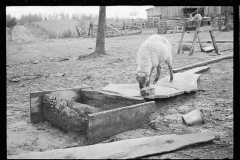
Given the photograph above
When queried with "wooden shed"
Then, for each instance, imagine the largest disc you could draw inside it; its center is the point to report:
(176, 11)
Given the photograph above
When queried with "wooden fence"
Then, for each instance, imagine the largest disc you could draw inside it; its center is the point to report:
(124, 29)
(175, 24)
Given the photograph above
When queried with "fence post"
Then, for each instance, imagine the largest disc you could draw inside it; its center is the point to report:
(144, 23)
(141, 27)
(165, 22)
(220, 22)
(159, 27)
(125, 28)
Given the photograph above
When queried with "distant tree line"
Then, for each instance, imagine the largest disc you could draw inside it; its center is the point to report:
(30, 18)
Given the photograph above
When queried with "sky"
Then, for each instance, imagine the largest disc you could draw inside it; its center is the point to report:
(111, 11)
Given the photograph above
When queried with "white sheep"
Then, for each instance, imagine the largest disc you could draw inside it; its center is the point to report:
(155, 50)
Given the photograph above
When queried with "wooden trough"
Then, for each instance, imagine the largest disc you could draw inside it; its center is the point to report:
(95, 114)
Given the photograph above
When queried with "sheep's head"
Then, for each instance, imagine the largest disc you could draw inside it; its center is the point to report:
(143, 80)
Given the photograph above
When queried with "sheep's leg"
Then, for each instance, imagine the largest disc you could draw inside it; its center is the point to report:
(170, 69)
(157, 74)
(148, 82)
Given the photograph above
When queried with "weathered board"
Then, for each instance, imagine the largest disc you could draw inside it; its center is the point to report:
(132, 90)
(202, 63)
(186, 82)
(182, 82)
(106, 100)
(198, 69)
(209, 41)
(108, 123)
(125, 149)
(36, 101)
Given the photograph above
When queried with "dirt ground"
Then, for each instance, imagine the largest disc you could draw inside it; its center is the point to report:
(35, 64)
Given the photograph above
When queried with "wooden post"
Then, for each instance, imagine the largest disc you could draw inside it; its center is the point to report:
(141, 27)
(181, 41)
(195, 38)
(220, 22)
(159, 27)
(165, 22)
(200, 43)
(125, 28)
(213, 41)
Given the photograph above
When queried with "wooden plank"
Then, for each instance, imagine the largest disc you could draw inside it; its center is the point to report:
(124, 149)
(200, 43)
(208, 49)
(209, 41)
(185, 82)
(106, 100)
(181, 84)
(181, 41)
(105, 124)
(36, 101)
(201, 63)
(197, 70)
(132, 90)
(195, 38)
(214, 42)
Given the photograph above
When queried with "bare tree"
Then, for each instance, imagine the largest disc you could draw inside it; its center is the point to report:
(100, 43)
(10, 23)
(92, 19)
(61, 15)
(133, 14)
(228, 12)
(116, 17)
(67, 15)
(82, 23)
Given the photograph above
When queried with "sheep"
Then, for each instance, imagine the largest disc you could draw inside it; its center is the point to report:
(155, 50)
(197, 17)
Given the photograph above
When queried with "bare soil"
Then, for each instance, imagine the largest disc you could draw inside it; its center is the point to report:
(35, 64)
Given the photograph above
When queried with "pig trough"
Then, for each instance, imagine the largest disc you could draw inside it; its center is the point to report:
(95, 114)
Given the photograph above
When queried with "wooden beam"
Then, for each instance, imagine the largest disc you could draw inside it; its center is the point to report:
(106, 100)
(124, 149)
(209, 41)
(201, 63)
(181, 41)
(103, 125)
(195, 38)
(214, 42)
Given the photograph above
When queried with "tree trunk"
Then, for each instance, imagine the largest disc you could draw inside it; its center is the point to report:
(100, 43)
(78, 32)
(11, 30)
